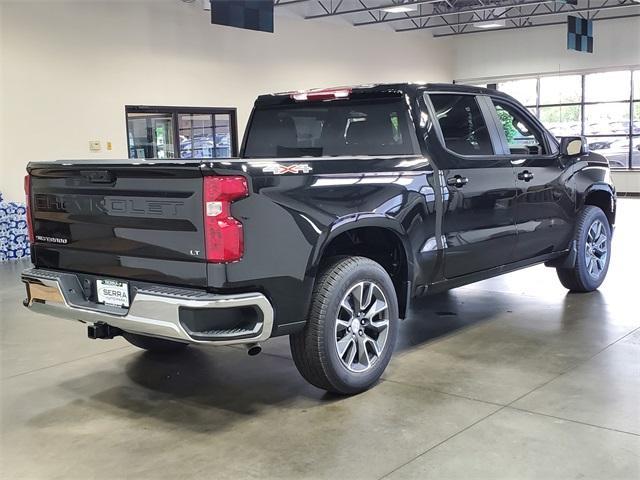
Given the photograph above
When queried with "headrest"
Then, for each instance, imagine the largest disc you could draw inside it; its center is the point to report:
(372, 131)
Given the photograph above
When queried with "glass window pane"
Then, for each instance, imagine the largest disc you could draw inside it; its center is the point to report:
(150, 135)
(196, 135)
(562, 121)
(522, 137)
(606, 118)
(522, 90)
(636, 85)
(462, 124)
(614, 149)
(607, 86)
(198, 120)
(636, 118)
(560, 89)
(222, 135)
(346, 127)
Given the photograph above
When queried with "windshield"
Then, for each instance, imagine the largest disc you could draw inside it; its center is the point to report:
(336, 128)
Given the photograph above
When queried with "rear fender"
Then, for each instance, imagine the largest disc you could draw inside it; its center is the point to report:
(402, 279)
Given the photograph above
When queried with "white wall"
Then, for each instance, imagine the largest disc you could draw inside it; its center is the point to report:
(544, 50)
(626, 181)
(69, 67)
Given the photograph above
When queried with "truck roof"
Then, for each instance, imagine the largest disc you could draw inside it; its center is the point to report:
(377, 89)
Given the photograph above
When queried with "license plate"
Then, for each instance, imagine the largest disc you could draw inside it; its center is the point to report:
(113, 292)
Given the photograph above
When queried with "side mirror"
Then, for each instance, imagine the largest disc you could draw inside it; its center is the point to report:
(572, 146)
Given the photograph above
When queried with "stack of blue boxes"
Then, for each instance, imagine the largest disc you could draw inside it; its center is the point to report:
(14, 235)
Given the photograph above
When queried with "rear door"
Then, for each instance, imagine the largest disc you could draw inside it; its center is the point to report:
(124, 220)
(478, 225)
(544, 204)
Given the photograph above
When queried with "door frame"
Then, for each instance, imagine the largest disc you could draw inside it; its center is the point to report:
(447, 160)
(484, 105)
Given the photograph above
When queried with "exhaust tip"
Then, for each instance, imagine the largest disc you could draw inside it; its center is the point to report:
(254, 349)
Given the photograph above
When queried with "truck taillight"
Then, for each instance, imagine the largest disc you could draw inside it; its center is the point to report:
(27, 192)
(224, 239)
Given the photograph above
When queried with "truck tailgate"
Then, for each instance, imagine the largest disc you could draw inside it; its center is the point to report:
(135, 221)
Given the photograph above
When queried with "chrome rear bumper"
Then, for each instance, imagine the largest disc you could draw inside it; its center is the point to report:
(155, 309)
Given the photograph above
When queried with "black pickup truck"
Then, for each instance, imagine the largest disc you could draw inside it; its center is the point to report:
(344, 205)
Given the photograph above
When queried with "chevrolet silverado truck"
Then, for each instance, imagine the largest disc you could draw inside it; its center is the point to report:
(344, 205)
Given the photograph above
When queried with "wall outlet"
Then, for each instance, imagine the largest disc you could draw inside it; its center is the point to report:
(94, 145)
(109, 145)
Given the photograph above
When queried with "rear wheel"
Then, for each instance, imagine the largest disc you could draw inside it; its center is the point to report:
(352, 327)
(152, 344)
(593, 252)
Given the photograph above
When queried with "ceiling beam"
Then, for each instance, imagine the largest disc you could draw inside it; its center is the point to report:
(282, 3)
(484, 8)
(521, 16)
(365, 9)
(548, 24)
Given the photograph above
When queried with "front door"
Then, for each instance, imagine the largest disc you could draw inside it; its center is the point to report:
(544, 207)
(478, 224)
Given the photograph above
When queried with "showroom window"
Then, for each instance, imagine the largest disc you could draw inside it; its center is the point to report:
(603, 106)
(181, 132)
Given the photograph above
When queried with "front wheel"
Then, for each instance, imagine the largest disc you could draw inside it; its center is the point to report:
(352, 327)
(593, 249)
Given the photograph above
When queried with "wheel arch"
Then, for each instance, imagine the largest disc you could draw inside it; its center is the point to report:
(603, 196)
(371, 237)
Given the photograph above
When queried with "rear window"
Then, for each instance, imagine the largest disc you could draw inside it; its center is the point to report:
(335, 128)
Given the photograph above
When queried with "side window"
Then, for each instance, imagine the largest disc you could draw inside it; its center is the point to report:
(523, 138)
(462, 124)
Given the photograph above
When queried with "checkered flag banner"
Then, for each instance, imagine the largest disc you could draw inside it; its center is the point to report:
(249, 14)
(579, 34)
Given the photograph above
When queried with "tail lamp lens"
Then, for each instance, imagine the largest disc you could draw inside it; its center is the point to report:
(27, 192)
(224, 239)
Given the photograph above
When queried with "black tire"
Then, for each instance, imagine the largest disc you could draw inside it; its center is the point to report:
(152, 344)
(315, 349)
(578, 278)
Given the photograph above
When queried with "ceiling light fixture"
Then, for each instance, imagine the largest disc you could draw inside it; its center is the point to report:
(400, 9)
(494, 21)
(490, 24)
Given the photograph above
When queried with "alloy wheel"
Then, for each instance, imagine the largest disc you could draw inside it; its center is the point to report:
(596, 249)
(362, 326)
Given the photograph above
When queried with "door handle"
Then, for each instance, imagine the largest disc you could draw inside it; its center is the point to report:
(457, 181)
(527, 176)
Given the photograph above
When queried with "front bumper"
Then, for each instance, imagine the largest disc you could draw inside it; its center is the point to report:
(184, 315)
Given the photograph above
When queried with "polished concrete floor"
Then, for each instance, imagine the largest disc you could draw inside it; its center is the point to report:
(508, 378)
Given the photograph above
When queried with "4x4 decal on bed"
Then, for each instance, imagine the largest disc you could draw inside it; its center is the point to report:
(278, 169)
